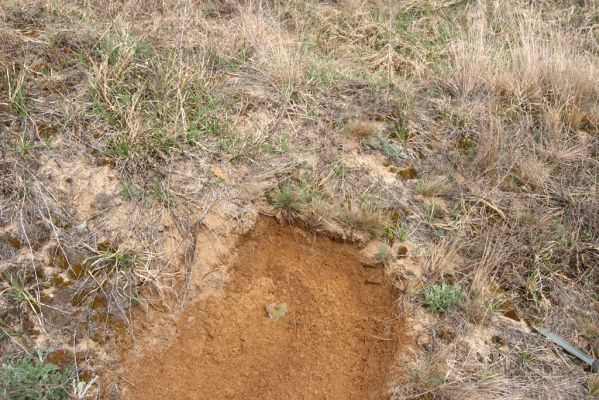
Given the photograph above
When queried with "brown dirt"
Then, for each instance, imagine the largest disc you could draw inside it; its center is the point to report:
(338, 340)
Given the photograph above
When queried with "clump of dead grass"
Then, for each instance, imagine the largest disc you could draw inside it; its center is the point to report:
(359, 129)
(365, 217)
(435, 187)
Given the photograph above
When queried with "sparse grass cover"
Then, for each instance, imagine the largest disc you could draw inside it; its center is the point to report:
(484, 116)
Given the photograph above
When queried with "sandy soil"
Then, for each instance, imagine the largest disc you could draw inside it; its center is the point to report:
(338, 340)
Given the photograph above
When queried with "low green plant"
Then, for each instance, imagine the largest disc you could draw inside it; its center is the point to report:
(534, 285)
(392, 151)
(17, 97)
(528, 356)
(401, 134)
(162, 194)
(204, 114)
(340, 170)
(101, 110)
(443, 298)
(280, 145)
(494, 306)
(31, 377)
(323, 75)
(121, 147)
(440, 233)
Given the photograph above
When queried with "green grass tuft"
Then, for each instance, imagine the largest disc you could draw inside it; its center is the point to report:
(288, 201)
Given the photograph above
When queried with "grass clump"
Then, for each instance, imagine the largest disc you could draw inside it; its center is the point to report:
(397, 231)
(162, 194)
(435, 187)
(18, 291)
(323, 75)
(110, 259)
(31, 377)
(124, 268)
(365, 217)
(129, 191)
(25, 147)
(360, 129)
(443, 298)
(288, 201)
(528, 356)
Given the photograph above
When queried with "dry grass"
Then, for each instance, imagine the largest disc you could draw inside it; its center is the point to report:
(493, 106)
(435, 187)
(359, 129)
(367, 218)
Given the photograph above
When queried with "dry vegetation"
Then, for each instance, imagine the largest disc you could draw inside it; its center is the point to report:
(468, 128)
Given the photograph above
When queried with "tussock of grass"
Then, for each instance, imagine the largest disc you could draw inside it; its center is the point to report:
(18, 291)
(367, 218)
(112, 259)
(359, 129)
(288, 201)
(434, 187)
(124, 270)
